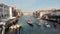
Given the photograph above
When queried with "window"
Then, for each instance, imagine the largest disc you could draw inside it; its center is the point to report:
(1, 10)
(1, 5)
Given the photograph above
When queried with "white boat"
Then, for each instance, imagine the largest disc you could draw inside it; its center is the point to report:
(29, 22)
(47, 25)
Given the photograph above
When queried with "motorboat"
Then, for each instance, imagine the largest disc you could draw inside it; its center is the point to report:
(47, 25)
(29, 22)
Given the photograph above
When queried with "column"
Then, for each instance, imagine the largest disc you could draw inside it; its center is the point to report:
(3, 12)
(10, 12)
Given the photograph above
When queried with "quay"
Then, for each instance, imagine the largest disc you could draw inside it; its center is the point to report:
(8, 24)
(11, 22)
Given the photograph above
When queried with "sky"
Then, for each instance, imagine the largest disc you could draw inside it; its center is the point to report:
(33, 5)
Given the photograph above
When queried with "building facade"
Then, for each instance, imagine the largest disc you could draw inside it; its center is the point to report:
(4, 11)
(7, 12)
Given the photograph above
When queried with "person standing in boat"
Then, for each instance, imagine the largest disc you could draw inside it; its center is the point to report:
(54, 25)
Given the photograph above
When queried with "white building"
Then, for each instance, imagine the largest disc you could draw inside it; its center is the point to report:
(5, 11)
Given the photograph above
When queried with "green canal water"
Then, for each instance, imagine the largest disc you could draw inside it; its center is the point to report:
(27, 29)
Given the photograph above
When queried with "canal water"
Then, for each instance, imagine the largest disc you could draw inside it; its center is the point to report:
(36, 29)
